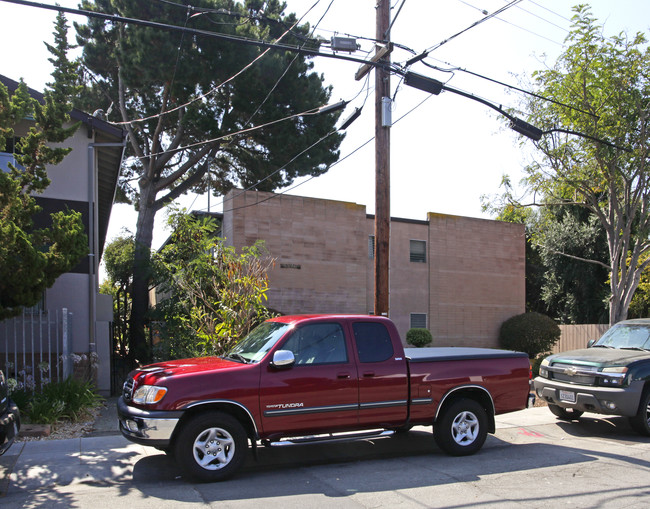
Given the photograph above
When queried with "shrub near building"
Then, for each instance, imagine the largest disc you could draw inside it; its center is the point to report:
(532, 333)
(419, 337)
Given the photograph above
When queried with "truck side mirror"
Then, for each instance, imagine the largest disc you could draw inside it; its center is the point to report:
(283, 359)
(590, 343)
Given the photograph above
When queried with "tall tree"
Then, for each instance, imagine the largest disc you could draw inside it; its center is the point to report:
(605, 83)
(190, 105)
(32, 259)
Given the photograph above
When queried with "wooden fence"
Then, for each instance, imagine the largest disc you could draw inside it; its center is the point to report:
(577, 336)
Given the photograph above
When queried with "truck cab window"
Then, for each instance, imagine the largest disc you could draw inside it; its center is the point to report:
(322, 343)
(373, 342)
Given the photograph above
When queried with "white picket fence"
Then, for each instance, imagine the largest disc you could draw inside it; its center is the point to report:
(35, 347)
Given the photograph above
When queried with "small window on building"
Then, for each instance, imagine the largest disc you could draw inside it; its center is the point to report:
(418, 321)
(371, 247)
(418, 251)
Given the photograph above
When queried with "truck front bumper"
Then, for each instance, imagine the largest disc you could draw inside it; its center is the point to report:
(587, 398)
(147, 427)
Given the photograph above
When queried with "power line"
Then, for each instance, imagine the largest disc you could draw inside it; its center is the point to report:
(473, 25)
(512, 87)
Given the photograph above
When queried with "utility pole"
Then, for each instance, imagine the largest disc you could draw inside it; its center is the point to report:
(382, 165)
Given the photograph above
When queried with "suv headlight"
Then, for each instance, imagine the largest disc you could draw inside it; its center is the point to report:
(543, 372)
(616, 376)
(149, 394)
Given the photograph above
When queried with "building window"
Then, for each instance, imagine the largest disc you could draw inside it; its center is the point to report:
(371, 247)
(418, 321)
(418, 251)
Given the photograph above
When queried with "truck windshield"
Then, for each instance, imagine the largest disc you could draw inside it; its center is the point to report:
(634, 337)
(258, 342)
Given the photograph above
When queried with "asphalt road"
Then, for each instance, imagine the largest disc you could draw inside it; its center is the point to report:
(533, 460)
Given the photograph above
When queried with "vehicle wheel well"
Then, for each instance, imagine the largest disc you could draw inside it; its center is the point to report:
(477, 394)
(233, 410)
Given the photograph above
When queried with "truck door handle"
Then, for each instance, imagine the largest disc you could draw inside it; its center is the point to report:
(369, 374)
(343, 375)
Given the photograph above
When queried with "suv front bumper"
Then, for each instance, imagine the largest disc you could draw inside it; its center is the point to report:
(147, 427)
(592, 399)
(9, 426)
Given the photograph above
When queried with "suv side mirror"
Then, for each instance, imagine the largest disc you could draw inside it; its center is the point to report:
(590, 343)
(283, 359)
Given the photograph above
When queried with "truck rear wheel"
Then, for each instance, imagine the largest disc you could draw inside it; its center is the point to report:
(462, 428)
(641, 421)
(211, 446)
(566, 414)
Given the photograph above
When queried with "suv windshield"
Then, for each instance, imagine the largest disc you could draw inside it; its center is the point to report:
(258, 342)
(626, 336)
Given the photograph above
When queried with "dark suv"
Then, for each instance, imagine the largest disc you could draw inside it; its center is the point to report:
(9, 417)
(611, 376)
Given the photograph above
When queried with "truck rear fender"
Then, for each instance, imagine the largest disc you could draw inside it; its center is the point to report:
(237, 410)
(475, 392)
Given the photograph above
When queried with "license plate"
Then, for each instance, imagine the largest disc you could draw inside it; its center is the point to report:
(568, 396)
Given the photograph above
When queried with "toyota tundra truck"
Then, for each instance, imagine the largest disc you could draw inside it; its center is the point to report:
(611, 377)
(298, 378)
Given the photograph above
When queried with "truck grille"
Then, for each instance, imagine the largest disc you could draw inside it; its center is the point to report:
(127, 389)
(574, 374)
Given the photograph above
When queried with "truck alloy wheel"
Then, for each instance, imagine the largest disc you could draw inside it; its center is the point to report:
(462, 428)
(641, 421)
(211, 446)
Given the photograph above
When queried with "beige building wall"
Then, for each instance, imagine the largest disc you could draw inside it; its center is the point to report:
(473, 277)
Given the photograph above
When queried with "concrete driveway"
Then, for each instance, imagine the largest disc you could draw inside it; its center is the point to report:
(533, 460)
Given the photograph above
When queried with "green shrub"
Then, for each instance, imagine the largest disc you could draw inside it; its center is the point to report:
(22, 398)
(532, 333)
(45, 411)
(70, 399)
(419, 337)
(77, 396)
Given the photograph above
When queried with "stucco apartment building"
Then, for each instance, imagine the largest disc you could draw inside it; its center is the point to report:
(459, 277)
(72, 317)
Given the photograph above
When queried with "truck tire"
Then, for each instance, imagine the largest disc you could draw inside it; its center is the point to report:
(462, 428)
(641, 421)
(566, 414)
(211, 446)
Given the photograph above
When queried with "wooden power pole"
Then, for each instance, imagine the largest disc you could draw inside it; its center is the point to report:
(382, 165)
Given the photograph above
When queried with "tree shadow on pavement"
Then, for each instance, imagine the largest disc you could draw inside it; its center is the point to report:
(382, 465)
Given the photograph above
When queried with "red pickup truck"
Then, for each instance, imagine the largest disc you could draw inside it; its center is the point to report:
(296, 378)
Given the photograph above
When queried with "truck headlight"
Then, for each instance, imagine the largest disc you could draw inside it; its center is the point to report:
(543, 371)
(616, 376)
(149, 394)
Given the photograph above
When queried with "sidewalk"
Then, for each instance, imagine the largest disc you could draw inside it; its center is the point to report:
(46, 453)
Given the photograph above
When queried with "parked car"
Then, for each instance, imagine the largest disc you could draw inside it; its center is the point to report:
(301, 378)
(611, 376)
(9, 417)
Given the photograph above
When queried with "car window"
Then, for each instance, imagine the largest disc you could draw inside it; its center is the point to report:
(322, 343)
(373, 342)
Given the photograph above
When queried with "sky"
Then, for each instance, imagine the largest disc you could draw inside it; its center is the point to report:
(446, 151)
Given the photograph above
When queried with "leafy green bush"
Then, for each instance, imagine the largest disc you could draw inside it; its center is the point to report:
(419, 337)
(532, 333)
(77, 397)
(70, 399)
(45, 411)
(22, 398)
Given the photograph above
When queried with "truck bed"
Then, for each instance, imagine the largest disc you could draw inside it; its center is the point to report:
(453, 353)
